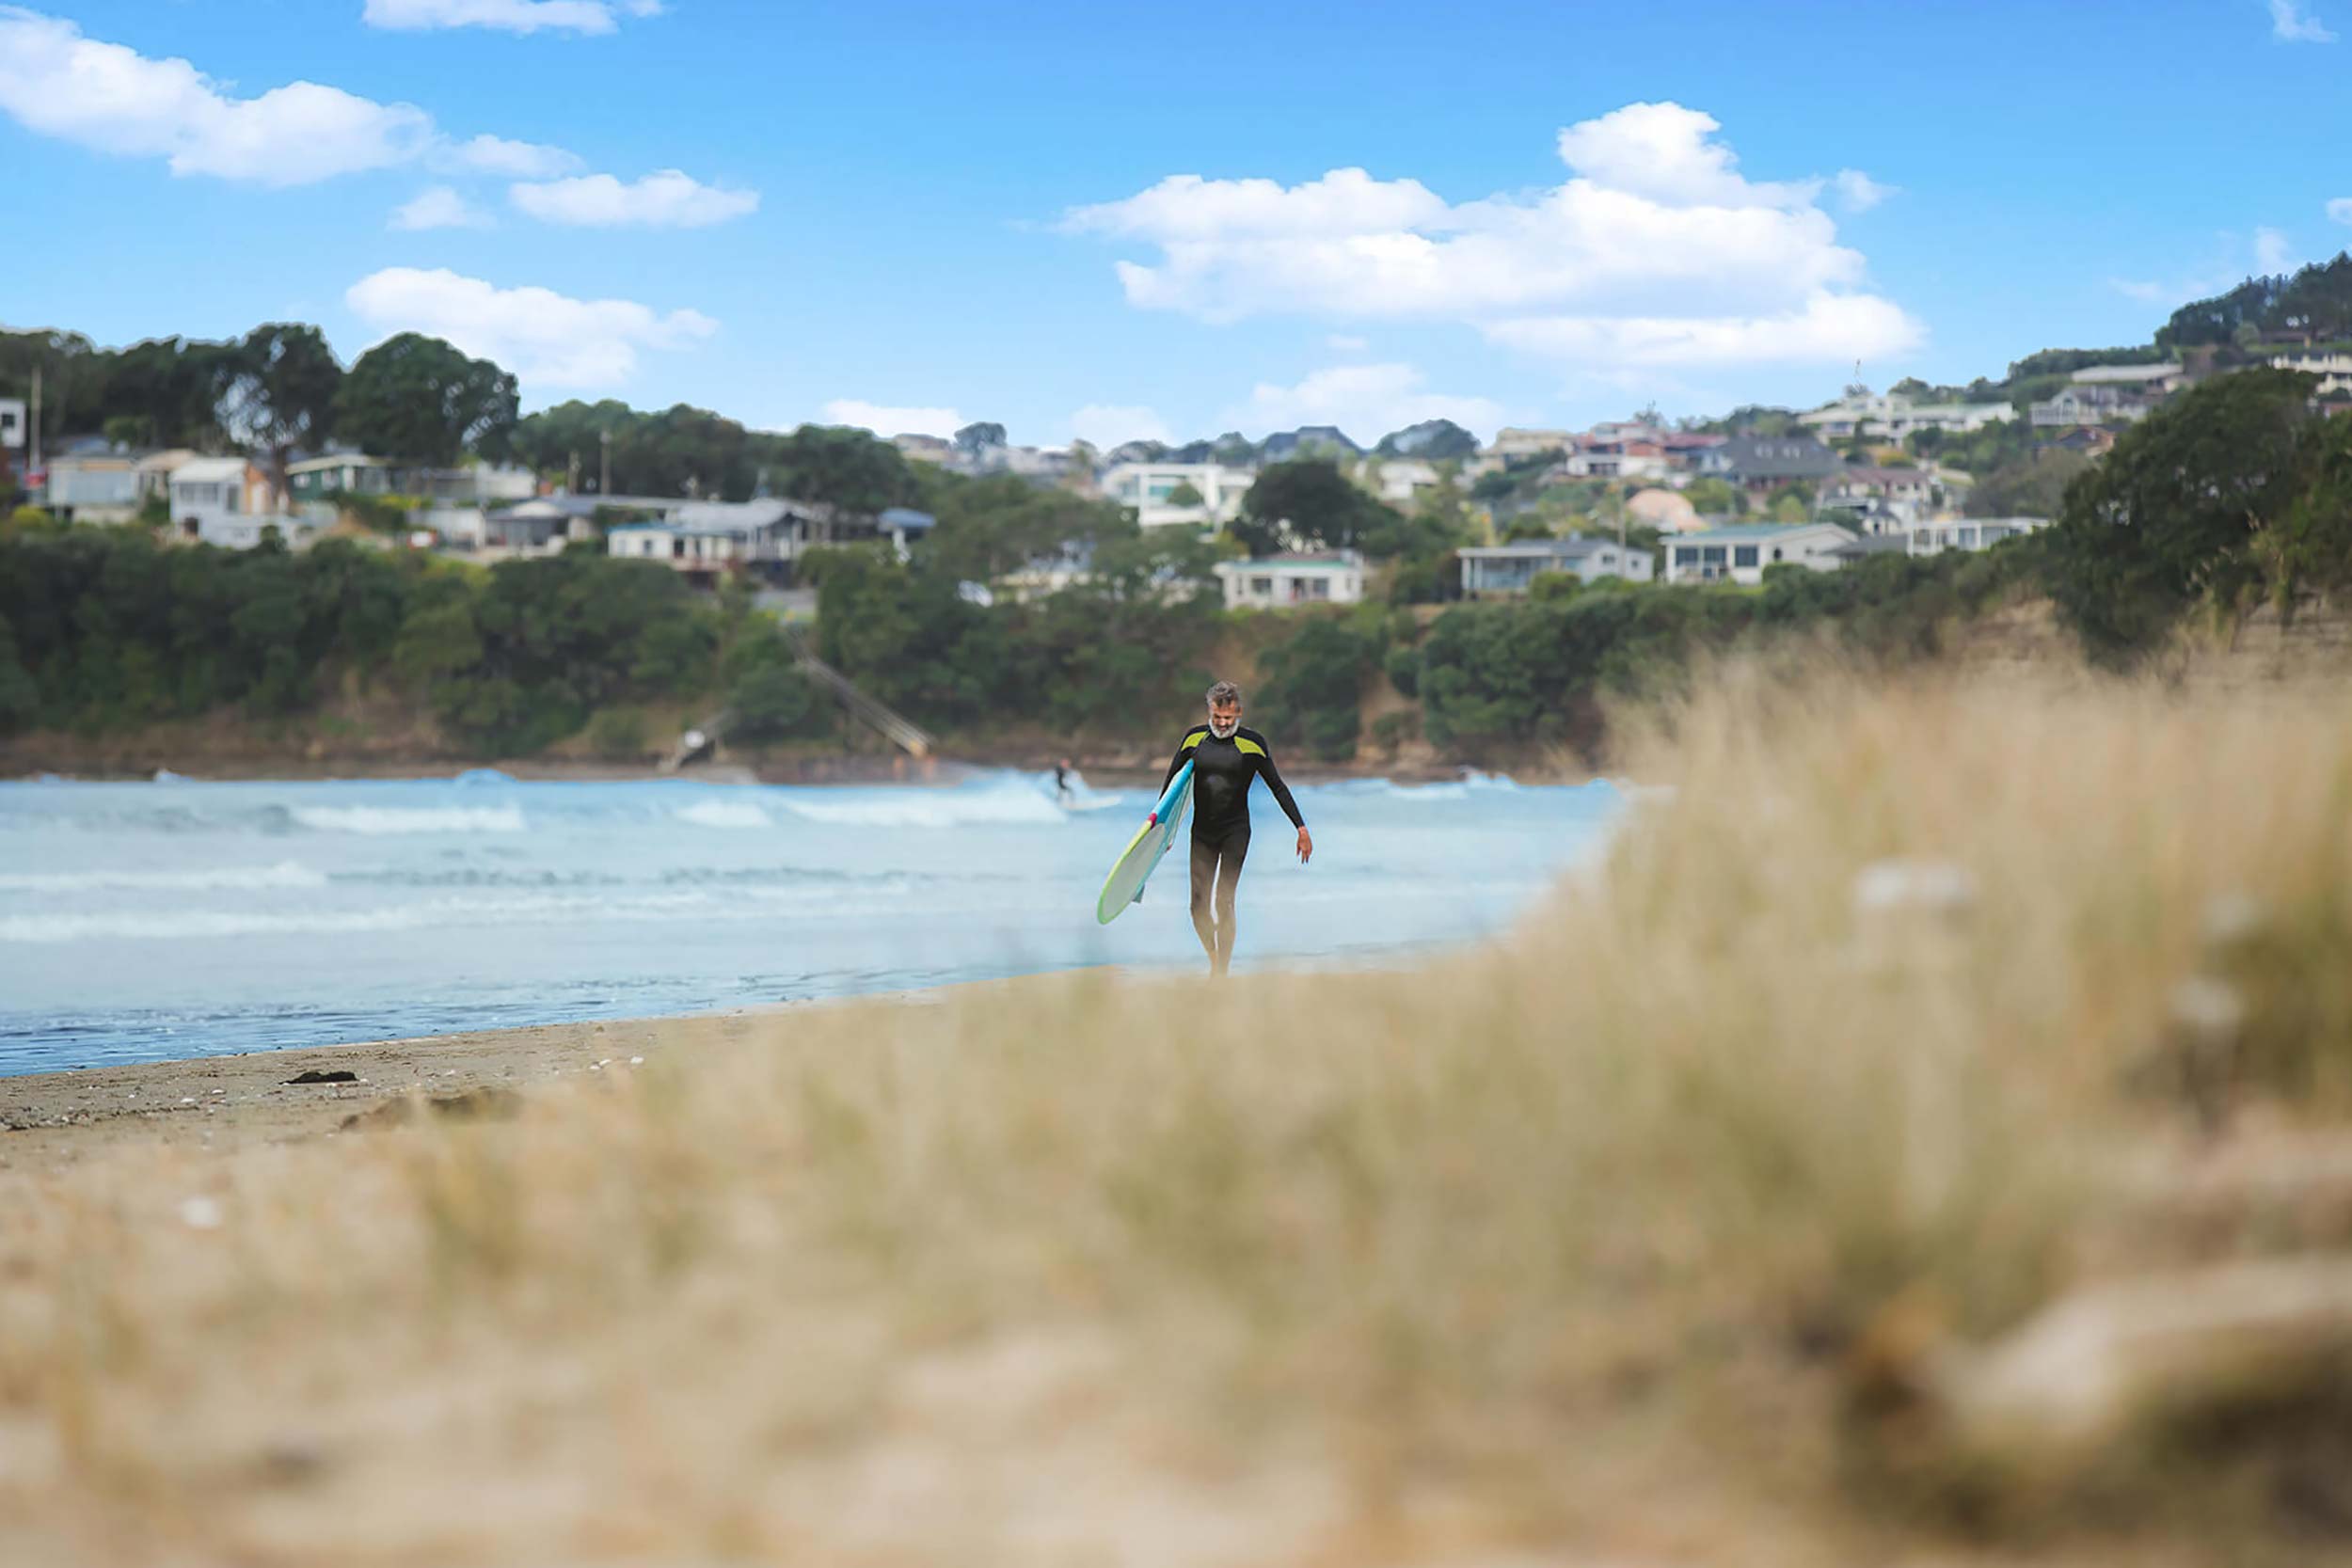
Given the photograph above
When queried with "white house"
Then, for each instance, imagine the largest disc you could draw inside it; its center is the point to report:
(1527, 443)
(1908, 494)
(224, 500)
(2333, 370)
(1970, 533)
(92, 487)
(1739, 553)
(1513, 568)
(718, 536)
(1146, 486)
(1401, 481)
(1894, 417)
(12, 424)
(1283, 582)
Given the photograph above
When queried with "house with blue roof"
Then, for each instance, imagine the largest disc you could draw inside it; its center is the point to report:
(1739, 553)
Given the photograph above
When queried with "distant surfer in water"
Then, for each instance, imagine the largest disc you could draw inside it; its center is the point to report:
(1225, 758)
(1062, 781)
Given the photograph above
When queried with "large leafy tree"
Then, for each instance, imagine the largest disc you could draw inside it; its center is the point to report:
(421, 398)
(276, 393)
(2170, 516)
(1310, 502)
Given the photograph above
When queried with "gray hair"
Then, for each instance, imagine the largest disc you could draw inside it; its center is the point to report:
(1225, 691)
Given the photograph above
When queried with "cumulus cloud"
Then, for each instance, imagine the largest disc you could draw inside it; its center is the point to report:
(1105, 425)
(512, 160)
(438, 208)
(546, 337)
(2290, 24)
(2341, 209)
(1366, 401)
(1654, 215)
(507, 16)
(669, 199)
(885, 419)
(1826, 327)
(103, 96)
(1858, 191)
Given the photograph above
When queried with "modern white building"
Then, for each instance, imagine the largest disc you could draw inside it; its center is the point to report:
(1739, 553)
(1894, 417)
(12, 424)
(1909, 494)
(1490, 569)
(2333, 370)
(1146, 486)
(1286, 581)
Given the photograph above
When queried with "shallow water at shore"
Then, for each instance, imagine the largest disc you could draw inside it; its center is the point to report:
(148, 922)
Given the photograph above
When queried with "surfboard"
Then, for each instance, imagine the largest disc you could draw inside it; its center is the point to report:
(1124, 886)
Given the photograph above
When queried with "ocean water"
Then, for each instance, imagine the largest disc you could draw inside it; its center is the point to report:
(151, 921)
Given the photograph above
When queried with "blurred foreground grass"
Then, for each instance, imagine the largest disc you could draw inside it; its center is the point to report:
(1709, 1218)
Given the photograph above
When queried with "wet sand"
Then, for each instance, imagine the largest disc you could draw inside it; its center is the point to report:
(223, 1104)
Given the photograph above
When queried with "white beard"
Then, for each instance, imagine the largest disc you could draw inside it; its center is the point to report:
(1223, 732)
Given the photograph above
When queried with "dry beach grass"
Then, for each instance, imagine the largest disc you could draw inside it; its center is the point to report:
(1689, 1224)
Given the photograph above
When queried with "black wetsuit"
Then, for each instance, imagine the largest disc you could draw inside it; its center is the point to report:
(1221, 771)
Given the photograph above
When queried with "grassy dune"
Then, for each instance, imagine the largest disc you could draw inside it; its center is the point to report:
(1687, 1225)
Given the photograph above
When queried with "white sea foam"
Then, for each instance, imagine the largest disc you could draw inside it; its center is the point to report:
(724, 814)
(923, 808)
(285, 874)
(379, 820)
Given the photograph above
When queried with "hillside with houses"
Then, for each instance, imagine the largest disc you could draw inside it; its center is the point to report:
(941, 579)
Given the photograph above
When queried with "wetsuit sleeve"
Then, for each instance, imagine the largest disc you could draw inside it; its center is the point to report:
(1273, 778)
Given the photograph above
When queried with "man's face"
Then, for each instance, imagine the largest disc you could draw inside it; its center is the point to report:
(1224, 716)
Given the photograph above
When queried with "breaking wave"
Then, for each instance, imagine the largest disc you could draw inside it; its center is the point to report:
(285, 874)
(376, 821)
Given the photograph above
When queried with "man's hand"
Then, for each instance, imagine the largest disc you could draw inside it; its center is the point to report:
(1306, 846)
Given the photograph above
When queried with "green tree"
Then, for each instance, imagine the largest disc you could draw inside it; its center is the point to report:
(1185, 494)
(979, 436)
(1309, 500)
(2035, 487)
(277, 394)
(1312, 683)
(418, 399)
(2170, 516)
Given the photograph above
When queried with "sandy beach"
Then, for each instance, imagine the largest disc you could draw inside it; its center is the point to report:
(223, 1104)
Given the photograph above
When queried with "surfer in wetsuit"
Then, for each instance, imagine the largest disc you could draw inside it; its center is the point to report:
(1225, 758)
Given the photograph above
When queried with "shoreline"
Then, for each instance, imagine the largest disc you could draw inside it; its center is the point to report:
(217, 1104)
(846, 771)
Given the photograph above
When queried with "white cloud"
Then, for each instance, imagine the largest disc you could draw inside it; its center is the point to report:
(545, 338)
(103, 96)
(1655, 228)
(669, 199)
(884, 420)
(2289, 24)
(1365, 401)
(1827, 327)
(508, 16)
(2339, 210)
(512, 160)
(1859, 192)
(1105, 425)
(440, 206)
(1340, 342)
(2272, 253)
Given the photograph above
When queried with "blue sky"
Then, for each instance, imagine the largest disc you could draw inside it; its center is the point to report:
(1079, 220)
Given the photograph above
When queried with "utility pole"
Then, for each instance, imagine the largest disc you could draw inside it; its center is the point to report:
(33, 466)
(604, 462)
